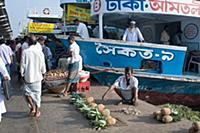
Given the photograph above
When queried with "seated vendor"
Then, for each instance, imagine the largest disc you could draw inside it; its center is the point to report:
(126, 86)
(73, 68)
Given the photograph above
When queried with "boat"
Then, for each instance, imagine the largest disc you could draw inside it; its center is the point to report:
(44, 21)
(164, 72)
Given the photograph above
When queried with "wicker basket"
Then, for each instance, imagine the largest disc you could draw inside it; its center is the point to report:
(58, 89)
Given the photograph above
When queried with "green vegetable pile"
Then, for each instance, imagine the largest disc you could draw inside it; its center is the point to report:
(97, 120)
(180, 111)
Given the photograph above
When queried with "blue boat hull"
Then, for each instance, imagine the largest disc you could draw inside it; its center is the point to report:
(117, 54)
(158, 91)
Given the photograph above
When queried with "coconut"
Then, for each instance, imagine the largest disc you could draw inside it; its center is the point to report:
(196, 125)
(101, 107)
(106, 112)
(165, 111)
(167, 119)
(156, 113)
(111, 121)
(90, 100)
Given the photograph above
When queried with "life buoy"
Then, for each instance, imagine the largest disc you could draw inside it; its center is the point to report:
(46, 11)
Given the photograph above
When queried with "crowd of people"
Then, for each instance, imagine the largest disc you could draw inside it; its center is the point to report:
(32, 57)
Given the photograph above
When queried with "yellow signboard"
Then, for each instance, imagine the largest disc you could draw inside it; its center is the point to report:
(40, 27)
(82, 14)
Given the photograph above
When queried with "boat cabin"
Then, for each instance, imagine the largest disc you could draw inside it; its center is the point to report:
(151, 16)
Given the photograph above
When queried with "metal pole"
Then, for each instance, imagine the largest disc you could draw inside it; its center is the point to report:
(101, 25)
(64, 13)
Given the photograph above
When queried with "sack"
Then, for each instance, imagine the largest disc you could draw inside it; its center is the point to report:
(6, 86)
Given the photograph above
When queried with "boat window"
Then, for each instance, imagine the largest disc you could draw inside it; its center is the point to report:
(151, 65)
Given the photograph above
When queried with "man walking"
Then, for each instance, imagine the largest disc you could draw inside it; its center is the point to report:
(6, 54)
(4, 76)
(32, 70)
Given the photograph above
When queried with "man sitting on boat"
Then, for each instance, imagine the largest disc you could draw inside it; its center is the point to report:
(165, 36)
(126, 86)
(133, 34)
(82, 29)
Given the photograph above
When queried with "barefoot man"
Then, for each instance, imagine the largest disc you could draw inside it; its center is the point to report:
(126, 86)
(32, 69)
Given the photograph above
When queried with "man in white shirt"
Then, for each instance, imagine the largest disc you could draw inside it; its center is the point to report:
(73, 67)
(82, 29)
(133, 34)
(18, 44)
(126, 86)
(165, 36)
(25, 44)
(39, 43)
(32, 70)
(6, 54)
(45, 50)
(5, 76)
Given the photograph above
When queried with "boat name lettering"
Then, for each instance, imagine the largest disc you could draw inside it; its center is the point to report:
(132, 52)
(167, 56)
(176, 7)
(131, 4)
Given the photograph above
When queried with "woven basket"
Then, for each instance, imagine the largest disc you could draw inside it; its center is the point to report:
(57, 90)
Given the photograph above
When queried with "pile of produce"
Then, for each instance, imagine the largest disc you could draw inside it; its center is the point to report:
(98, 115)
(55, 75)
(164, 115)
(195, 128)
(184, 112)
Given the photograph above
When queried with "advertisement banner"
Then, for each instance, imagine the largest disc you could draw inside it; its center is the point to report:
(169, 7)
(40, 27)
(82, 14)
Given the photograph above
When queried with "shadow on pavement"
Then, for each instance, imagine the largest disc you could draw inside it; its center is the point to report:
(16, 115)
(74, 118)
(180, 131)
(145, 119)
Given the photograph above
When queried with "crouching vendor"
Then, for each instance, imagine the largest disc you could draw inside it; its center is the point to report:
(126, 86)
(73, 54)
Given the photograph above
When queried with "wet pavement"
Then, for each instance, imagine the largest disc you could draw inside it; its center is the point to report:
(58, 116)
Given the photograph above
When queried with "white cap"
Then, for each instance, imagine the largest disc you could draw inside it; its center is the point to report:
(132, 22)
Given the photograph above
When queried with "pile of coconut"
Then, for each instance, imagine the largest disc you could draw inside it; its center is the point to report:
(195, 128)
(102, 109)
(163, 115)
